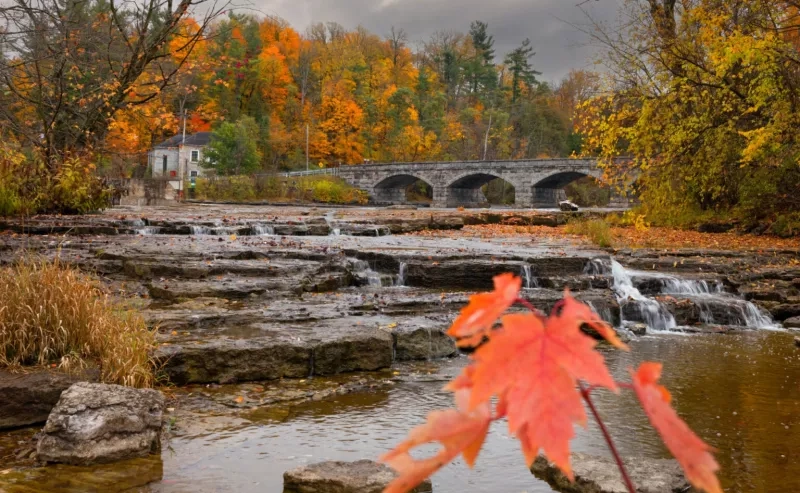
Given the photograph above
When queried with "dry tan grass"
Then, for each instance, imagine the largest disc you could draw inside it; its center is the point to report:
(53, 314)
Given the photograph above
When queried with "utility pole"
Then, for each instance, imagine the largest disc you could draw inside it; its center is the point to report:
(486, 138)
(306, 146)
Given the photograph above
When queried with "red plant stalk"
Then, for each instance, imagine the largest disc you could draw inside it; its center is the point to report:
(586, 394)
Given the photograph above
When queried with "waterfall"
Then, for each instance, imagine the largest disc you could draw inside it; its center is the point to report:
(527, 277)
(262, 229)
(362, 267)
(401, 275)
(653, 313)
(336, 232)
(200, 230)
(603, 312)
(715, 306)
(148, 230)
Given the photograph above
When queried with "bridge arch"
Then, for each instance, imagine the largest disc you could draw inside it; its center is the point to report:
(548, 190)
(393, 189)
(467, 188)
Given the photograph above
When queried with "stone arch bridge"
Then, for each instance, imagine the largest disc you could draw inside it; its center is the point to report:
(536, 182)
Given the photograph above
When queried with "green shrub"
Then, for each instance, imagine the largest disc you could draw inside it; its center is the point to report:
(597, 230)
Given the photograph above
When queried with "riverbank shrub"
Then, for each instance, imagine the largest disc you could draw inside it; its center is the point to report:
(324, 189)
(597, 230)
(28, 186)
(52, 314)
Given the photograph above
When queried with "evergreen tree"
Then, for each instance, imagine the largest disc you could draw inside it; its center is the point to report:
(479, 69)
(519, 65)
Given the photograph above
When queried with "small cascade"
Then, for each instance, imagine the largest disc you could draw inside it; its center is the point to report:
(652, 313)
(401, 275)
(201, 230)
(262, 230)
(673, 285)
(336, 232)
(530, 281)
(362, 267)
(597, 267)
(148, 230)
(715, 306)
(604, 312)
(137, 223)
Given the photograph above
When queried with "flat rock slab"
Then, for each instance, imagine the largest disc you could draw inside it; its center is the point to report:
(97, 423)
(792, 323)
(27, 398)
(364, 476)
(595, 474)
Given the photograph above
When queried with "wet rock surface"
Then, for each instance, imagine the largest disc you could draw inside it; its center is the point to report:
(97, 423)
(364, 476)
(595, 474)
(27, 398)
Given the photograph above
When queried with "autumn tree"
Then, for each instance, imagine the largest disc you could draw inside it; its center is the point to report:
(67, 67)
(703, 97)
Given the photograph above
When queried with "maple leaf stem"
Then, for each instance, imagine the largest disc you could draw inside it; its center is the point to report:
(586, 394)
(527, 304)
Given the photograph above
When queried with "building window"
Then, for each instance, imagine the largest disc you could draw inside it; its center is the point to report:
(164, 165)
(195, 156)
(193, 173)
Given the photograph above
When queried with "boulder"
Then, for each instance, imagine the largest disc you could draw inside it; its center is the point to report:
(97, 423)
(785, 311)
(27, 398)
(364, 476)
(792, 323)
(595, 474)
(567, 206)
(422, 343)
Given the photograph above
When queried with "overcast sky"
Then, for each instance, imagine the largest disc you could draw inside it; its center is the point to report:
(559, 47)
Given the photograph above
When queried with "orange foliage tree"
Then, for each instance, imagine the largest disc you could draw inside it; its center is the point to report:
(541, 370)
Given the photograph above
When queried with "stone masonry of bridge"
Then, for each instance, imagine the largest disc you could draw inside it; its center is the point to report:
(536, 182)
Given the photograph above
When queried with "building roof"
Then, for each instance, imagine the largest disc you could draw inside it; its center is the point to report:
(198, 139)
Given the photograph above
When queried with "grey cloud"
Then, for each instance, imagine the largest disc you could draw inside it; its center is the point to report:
(559, 46)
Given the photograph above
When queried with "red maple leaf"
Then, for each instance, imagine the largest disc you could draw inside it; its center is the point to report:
(534, 366)
(460, 431)
(483, 310)
(693, 454)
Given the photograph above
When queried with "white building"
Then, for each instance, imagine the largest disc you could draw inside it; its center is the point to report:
(179, 159)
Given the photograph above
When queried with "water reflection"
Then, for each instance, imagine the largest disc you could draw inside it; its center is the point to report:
(131, 475)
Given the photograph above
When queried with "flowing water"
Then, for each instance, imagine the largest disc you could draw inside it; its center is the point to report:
(529, 282)
(715, 306)
(262, 229)
(401, 275)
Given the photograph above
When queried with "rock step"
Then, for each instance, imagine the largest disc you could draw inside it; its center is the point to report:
(329, 347)
(364, 476)
(27, 398)
(595, 474)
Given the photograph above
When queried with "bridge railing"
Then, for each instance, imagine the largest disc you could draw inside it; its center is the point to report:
(504, 161)
(311, 172)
